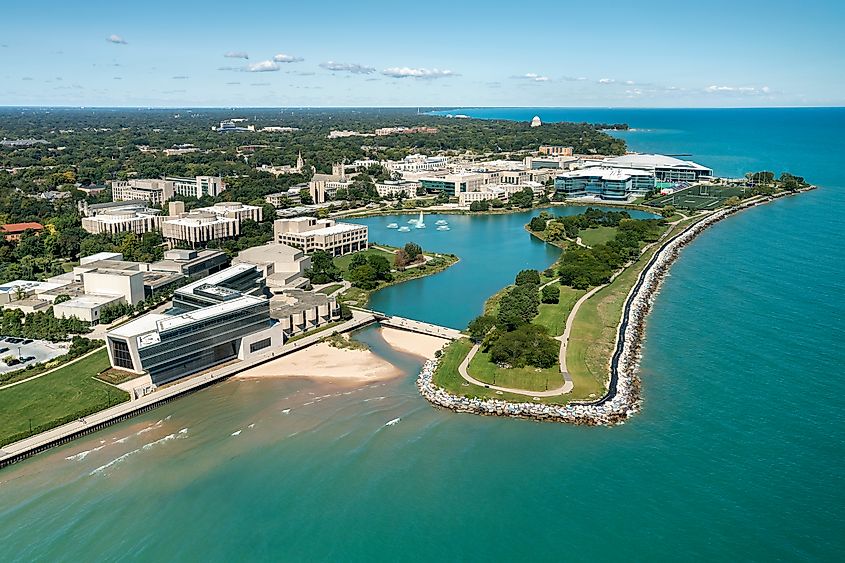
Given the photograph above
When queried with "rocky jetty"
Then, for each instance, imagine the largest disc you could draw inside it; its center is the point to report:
(622, 399)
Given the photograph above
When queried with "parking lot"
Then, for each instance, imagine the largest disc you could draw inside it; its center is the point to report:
(39, 350)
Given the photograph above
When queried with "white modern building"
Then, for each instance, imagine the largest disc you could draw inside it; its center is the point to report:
(417, 163)
(283, 266)
(310, 234)
(397, 188)
(158, 191)
(121, 217)
(663, 168)
(235, 210)
(199, 227)
(215, 321)
(604, 183)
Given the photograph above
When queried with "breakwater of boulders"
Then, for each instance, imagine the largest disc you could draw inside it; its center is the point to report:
(622, 399)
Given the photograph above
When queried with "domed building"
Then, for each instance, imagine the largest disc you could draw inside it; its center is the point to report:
(535, 122)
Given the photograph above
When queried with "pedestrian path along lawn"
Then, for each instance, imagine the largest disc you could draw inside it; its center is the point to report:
(56, 398)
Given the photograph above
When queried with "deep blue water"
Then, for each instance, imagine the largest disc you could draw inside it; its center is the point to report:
(738, 453)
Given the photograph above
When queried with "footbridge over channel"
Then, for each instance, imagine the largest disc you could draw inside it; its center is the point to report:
(412, 325)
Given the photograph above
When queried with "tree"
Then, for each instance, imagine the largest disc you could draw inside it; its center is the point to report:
(323, 269)
(550, 294)
(517, 307)
(528, 277)
(523, 198)
(345, 312)
(413, 250)
(537, 224)
(480, 326)
(479, 206)
(305, 197)
(529, 345)
(668, 211)
(61, 298)
(401, 259)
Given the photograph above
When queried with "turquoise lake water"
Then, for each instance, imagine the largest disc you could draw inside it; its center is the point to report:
(738, 453)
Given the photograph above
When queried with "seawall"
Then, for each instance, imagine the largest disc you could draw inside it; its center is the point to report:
(622, 398)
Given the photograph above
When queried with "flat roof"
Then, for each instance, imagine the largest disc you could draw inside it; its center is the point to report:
(274, 252)
(333, 230)
(28, 285)
(654, 160)
(604, 173)
(218, 277)
(90, 300)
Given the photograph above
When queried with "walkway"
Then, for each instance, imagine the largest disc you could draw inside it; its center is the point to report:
(421, 327)
(462, 369)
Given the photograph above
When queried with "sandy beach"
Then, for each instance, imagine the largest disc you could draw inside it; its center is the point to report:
(420, 345)
(325, 361)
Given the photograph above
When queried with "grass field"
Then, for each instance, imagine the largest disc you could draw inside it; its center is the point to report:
(342, 262)
(553, 316)
(529, 378)
(329, 289)
(594, 329)
(56, 398)
(597, 235)
(698, 197)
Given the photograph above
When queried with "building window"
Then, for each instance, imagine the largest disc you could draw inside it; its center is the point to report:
(122, 357)
(260, 345)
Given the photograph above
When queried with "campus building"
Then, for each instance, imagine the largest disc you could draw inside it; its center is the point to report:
(604, 183)
(310, 234)
(555, 150)
(282, 266)
(214, 322)
(299, 311)
(198, 228)
(158, 191)
(663, 168)
(454, 184)
(120, 217)
(14, 231)
(397, 188)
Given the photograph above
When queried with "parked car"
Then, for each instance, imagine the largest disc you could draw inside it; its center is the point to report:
(28, 341)
(3, 350)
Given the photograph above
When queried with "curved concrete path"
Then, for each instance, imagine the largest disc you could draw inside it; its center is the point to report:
(462, 369)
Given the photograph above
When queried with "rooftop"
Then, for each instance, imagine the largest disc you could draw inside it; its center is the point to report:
(219, 277)
(20, 227)
(269, 253)
(604, 173)
(91, 300)
(636, 160)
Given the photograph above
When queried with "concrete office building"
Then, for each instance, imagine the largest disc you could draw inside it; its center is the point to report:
(555, 150)
(158, 191)
(292, 196)
(235, 210)
(133, 217)
(299, 311)
(282, 266)
(191, 263)
(310, 234)
(605, 183)
(397, 188)
(199, 227)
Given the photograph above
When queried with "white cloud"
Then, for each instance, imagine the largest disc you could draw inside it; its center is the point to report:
(236, 55)
(714, 89)
(606, 81)
(533, 76)
(354, 68)
(117, 39)
(181, 77)
(263, 66)
(424, 73)
(629, 82)
(283, 58)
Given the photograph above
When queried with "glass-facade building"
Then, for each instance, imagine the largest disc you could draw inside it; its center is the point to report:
(604, 183)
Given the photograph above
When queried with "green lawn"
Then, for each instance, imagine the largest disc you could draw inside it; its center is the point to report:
(314, 331)
(597, 235)
(553, 317)
(528, 378)
(342, 262)
(54, 399)
(329, 289)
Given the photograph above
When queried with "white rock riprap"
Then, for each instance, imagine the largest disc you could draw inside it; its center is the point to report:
(623, 397)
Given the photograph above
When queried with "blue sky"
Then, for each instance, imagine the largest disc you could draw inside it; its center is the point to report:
(435, 53)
